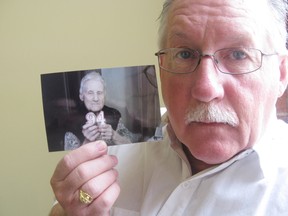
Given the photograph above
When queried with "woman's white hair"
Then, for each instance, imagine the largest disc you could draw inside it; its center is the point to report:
(91, 75)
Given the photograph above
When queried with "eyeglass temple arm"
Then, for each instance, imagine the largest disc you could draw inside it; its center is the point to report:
(159, 53)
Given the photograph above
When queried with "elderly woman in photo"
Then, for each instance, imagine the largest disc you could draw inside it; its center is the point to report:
(102, 122)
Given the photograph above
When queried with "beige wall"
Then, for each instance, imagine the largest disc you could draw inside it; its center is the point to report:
(48, 36)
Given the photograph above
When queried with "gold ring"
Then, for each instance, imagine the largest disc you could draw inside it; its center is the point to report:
(85, 197)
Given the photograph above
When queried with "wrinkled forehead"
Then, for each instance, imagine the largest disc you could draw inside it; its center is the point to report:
(249, 16)
(253, 8)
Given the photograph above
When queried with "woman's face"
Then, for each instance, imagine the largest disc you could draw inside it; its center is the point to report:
(93, 95)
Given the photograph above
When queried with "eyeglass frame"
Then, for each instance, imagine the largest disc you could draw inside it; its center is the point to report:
(212, 56)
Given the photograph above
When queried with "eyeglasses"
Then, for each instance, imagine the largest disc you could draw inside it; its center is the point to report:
(237, 60)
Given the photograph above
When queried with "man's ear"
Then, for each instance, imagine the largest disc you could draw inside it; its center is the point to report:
(81, 97)
(283, 74)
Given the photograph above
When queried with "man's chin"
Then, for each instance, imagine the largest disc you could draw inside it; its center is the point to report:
(214, 158)
(213, 145)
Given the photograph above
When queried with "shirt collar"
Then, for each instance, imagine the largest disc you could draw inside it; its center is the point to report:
(272, 147)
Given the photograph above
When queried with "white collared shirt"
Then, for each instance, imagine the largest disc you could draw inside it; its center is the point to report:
(156, 179)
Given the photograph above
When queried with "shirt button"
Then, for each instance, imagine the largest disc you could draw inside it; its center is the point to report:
(186, 185)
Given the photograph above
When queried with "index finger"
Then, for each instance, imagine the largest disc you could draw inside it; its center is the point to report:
(105, 127)
(78, 156)
(87, 125)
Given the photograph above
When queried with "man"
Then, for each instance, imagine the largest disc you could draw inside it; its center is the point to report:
(102, 122)
(223, 65)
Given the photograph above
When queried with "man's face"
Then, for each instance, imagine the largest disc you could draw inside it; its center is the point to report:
(207, 26)
(93, 95)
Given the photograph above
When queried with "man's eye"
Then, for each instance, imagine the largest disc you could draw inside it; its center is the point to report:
(238, 55)
(185, 54)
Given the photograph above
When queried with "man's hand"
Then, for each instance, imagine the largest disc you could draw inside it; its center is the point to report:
(90, 169)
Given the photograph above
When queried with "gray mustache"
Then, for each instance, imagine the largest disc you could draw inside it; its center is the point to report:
(206, 113)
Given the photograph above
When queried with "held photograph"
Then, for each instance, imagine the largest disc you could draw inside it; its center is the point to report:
(117, 105)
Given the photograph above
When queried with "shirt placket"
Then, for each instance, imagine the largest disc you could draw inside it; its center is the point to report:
(182, 195)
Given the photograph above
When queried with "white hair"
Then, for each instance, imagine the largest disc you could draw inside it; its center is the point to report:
(91, 75)
(207, 113)
(278, 13)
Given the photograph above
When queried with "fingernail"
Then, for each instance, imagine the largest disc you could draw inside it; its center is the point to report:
(115, 159)
(101, 146)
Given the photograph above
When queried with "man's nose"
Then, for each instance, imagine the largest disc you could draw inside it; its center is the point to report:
(207, 84)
